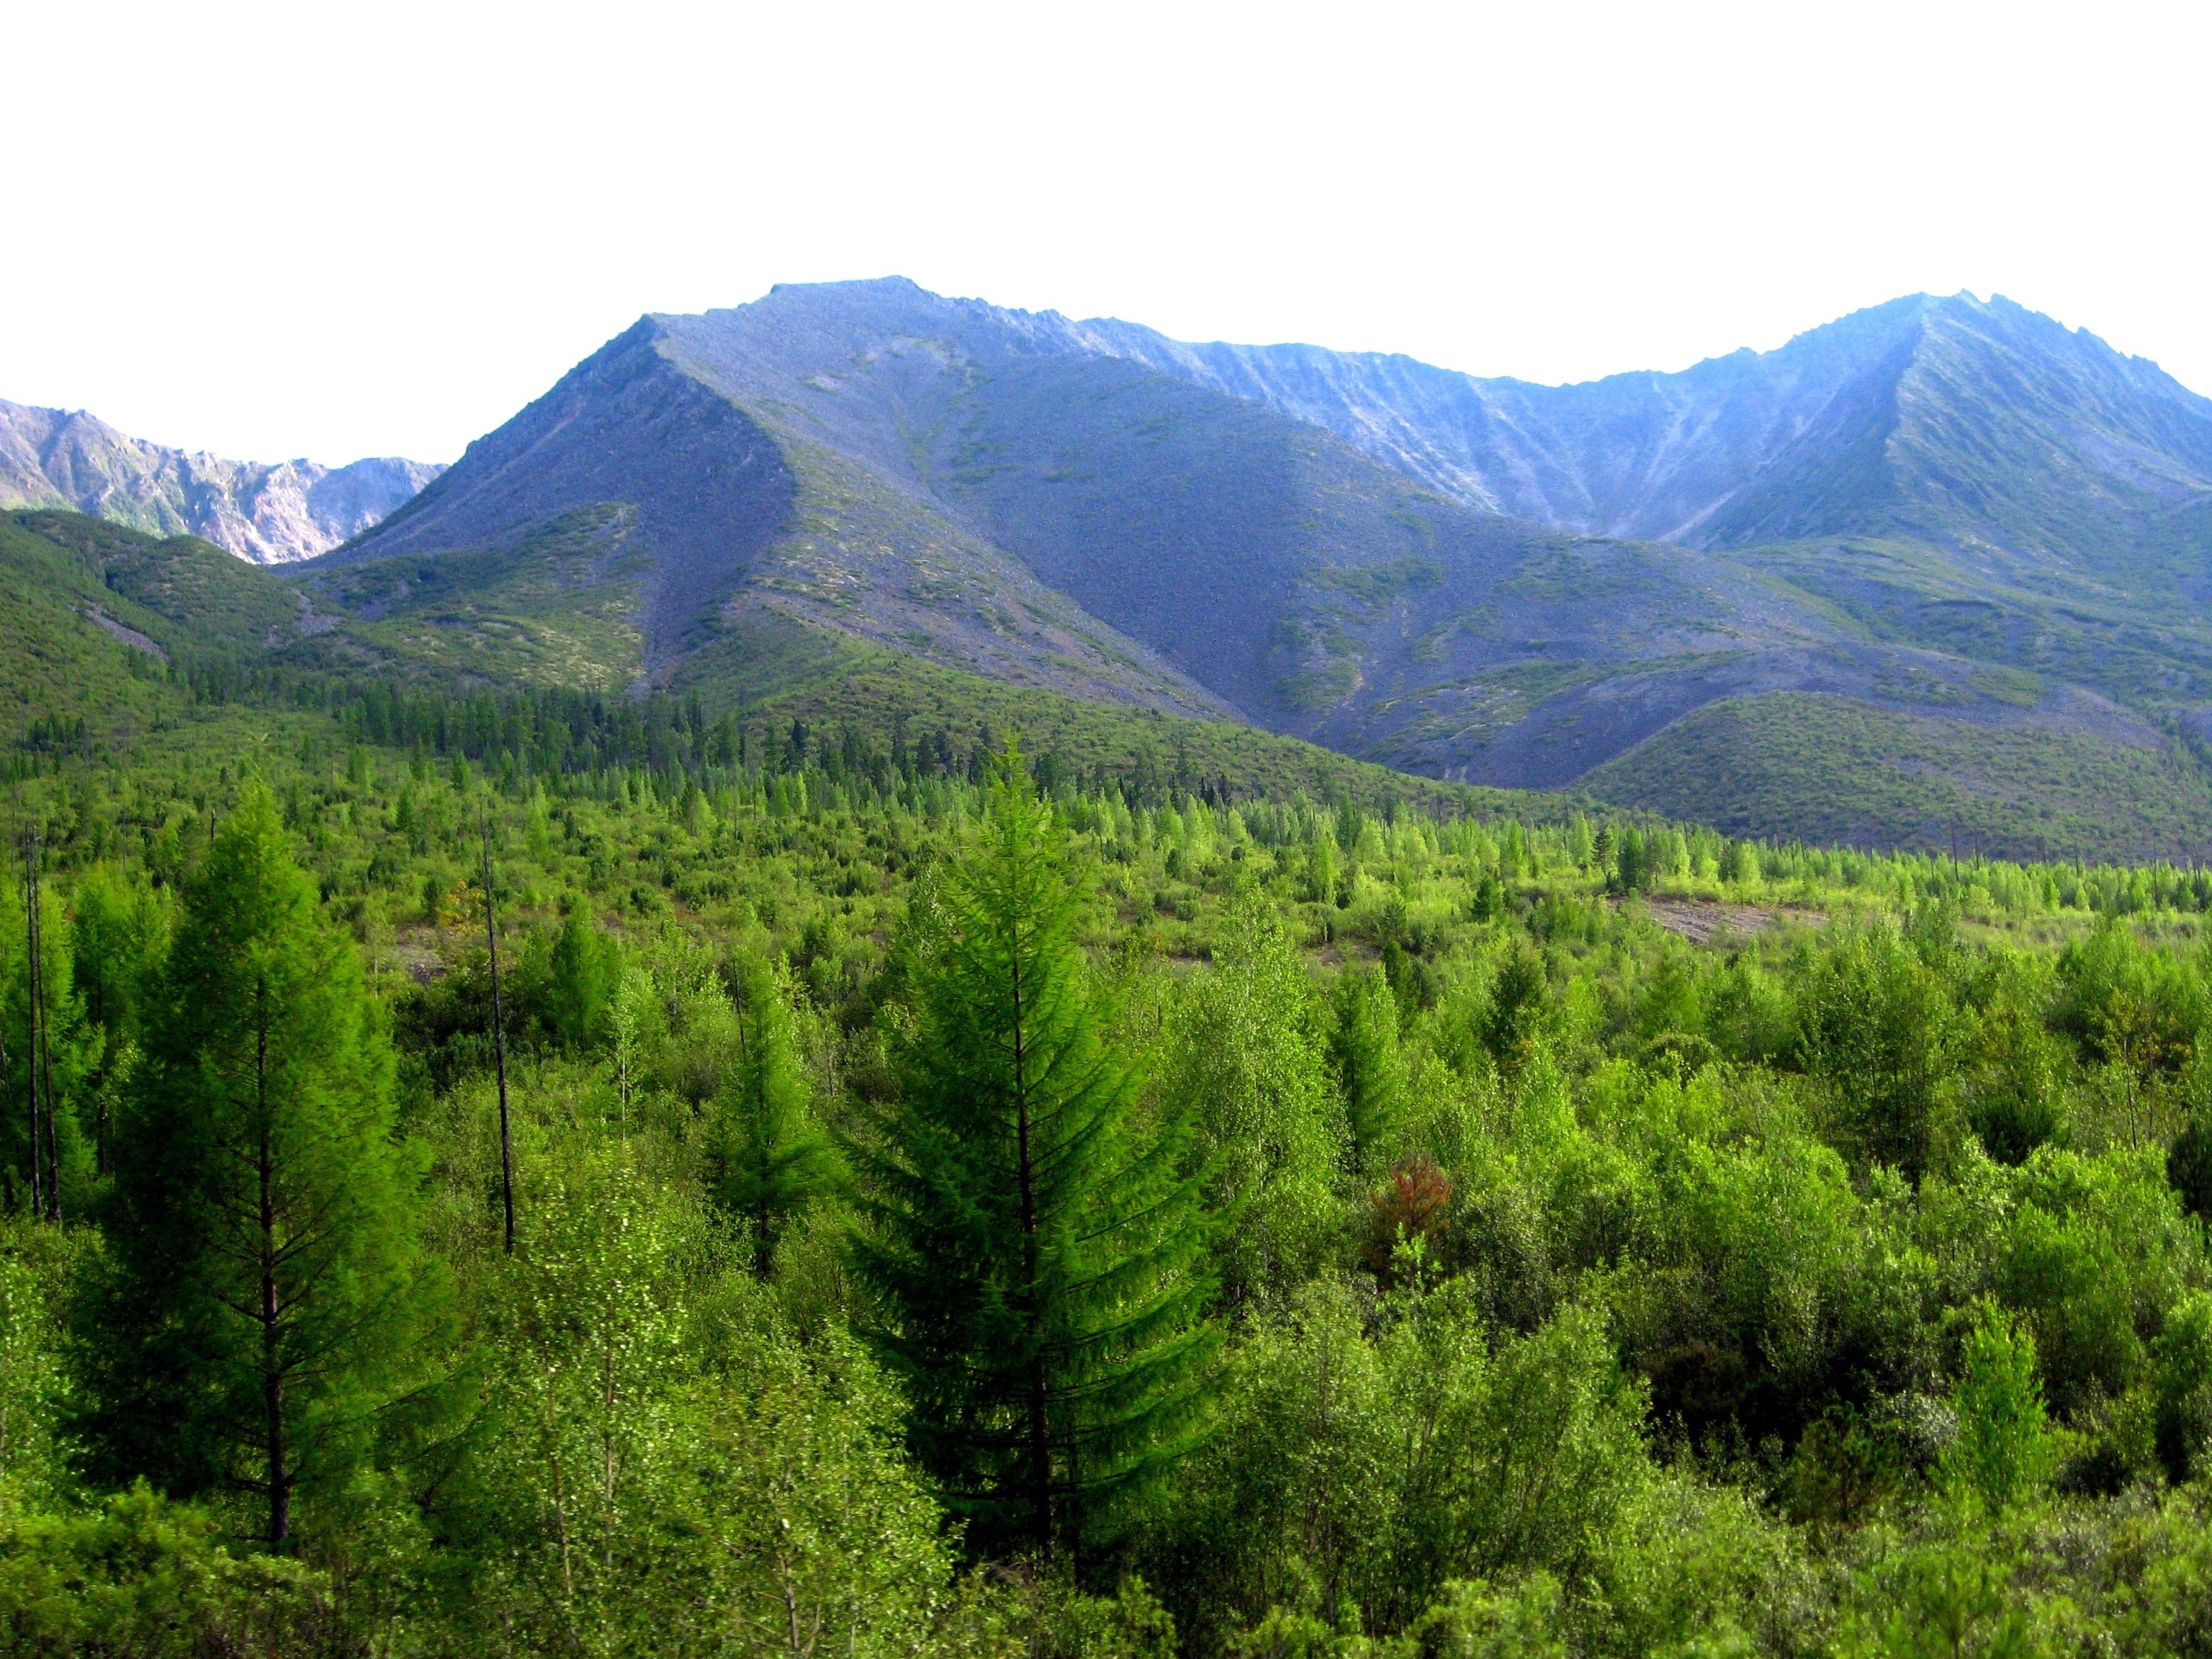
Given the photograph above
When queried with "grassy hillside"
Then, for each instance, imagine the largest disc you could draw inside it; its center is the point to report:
(2146, 644)
(206, 599)
(1905, 748)
(1832, 769)
(65, 680)
(558, 606)
(554, 612)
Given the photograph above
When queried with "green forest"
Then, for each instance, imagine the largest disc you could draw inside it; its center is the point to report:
(564, 1177)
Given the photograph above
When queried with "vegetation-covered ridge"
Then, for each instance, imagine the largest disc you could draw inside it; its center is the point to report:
(1840, 771)
(1917, 750)
(1931, 574)
(965, 1207)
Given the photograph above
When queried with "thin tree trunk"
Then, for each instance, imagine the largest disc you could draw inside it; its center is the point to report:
(560, 1496)
(34, 1007)
(3, 1052)
(31, 1026)
(97, 1009)
(499, 1053)
(272, 1375)
(607, 1447)
(1040, 1429)
(45, 1053)
(749, 1052)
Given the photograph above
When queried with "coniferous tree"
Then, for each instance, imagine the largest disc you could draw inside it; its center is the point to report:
(1037, 1249)
(773, 1159)
(120, 927)
(576, 982)
(44, 1050)
(498, 1031)
(264, 1283)
(1368, 1063)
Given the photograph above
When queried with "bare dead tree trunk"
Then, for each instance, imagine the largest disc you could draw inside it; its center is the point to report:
(31, 1026)
(272, 1374)
(46, 1048)
(33, 1003)
(499, 1051)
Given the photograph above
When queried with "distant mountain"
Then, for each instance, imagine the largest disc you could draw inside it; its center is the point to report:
(1945, 528)
(973, 486)
(270, 515)
(1970, 425)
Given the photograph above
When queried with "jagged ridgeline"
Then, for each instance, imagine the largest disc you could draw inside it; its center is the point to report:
(1767, 592)
(58, 458)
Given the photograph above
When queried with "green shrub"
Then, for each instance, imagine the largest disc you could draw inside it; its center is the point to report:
(141, 1578)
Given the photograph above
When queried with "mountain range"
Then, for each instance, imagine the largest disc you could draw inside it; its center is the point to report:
(270, 514)
(1935, 572)
(1858, 428)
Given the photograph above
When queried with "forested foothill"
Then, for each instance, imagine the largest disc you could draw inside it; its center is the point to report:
(972, 1202)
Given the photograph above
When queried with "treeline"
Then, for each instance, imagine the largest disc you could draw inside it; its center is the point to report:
(570, 743)
(551, 733)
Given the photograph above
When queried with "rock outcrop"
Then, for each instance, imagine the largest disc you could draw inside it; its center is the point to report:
(270, 515)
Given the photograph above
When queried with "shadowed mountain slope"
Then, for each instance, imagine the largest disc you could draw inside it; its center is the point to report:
(970, 485)
(709, 489)
(119, 640)
(735, 504)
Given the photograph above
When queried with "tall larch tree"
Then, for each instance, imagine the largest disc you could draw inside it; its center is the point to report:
(1037, 1244)
(265, 1288)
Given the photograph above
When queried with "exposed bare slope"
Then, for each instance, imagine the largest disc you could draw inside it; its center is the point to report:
(270, 514)
(989, 490)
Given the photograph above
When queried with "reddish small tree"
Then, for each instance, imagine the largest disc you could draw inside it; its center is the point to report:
(1410, 1206)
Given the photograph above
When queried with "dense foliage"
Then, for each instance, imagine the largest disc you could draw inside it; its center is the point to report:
(965, 1211)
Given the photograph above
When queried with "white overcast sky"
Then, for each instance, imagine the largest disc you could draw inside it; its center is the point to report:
(335, 230)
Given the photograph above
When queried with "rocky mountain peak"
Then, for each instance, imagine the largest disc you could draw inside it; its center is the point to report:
(263, 512)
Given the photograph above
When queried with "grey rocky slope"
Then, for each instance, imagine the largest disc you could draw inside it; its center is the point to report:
(269, 514)
(1950, 420)
(1039, 500)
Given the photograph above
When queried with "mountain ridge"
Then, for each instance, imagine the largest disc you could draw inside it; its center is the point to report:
(1519, 447)
(1088, 507)
(264, 513)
